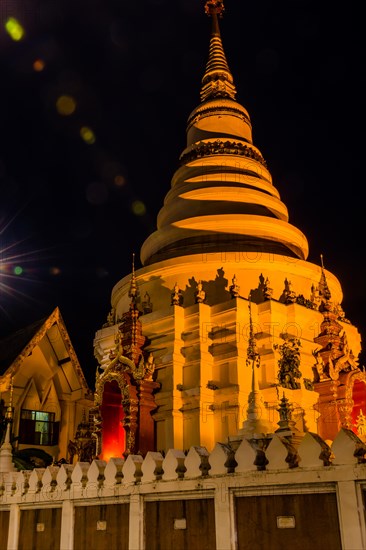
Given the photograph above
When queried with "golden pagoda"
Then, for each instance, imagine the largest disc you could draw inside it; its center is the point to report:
(223, 234)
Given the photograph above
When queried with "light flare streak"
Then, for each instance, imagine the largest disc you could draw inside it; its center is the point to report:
(19, 268)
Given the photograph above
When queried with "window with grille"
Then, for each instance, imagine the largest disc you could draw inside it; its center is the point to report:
(38, 428)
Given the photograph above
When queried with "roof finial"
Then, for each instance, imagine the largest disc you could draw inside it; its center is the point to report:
(215, 9)
(6, 449)
(9, 410)
(256, 425)
(217, 80)
(252, 354)
(285, 411)
(323, 285)
(133, 286)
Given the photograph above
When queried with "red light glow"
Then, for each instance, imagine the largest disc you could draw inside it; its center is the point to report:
(113, 441)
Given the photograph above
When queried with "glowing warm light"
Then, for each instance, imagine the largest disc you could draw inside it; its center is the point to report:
(87, 135)
(55, 270)
(14, 29)
(138, 208)
(65, 105)
(113, 443)
(119, 180)
(39, 65)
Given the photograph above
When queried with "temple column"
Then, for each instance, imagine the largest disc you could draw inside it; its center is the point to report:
(205, 415)
(176, 422)
(14, 524)
(349, 521)
(223, 522)
(67, 525)
(328, 421)
(136, 523)
(146, 426)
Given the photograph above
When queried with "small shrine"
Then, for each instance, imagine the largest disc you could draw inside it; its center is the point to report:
(82, 449)
(338, 378)
(124, 391)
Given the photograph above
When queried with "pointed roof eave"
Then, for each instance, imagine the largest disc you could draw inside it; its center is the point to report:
(39, 334)
(217, 80)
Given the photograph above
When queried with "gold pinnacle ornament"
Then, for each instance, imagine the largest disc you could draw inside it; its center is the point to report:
(214, 6)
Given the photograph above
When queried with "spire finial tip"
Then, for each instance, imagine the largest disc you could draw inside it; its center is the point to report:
(214, 7)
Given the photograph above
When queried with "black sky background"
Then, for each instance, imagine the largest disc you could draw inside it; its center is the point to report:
(134, 69)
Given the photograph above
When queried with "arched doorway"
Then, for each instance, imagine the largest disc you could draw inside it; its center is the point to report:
(114, 436)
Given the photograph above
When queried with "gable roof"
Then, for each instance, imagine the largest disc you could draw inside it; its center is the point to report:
(16, 347)
(12, 345)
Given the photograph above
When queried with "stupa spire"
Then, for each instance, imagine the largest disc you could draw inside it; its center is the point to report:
(221, 197)
(133, 285)
(217, 80)
(285, 411)
(255, 424)
(324, 288)
(253, 360)
(6, 450)
(252, 354)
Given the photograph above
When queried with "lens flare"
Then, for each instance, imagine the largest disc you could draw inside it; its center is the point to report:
(119, 180)
(138, 208)
(65, 105)
(14, 29)
(39, 65)
(19, 268)
(87, 135)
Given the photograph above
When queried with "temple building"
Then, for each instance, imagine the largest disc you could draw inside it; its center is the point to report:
(223, 238)
(229, 399)
(43, 391)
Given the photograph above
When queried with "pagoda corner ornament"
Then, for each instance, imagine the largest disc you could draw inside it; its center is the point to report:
(234, 288)
(176, 296)
(200, 294)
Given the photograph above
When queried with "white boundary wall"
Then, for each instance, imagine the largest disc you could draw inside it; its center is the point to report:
(197, 474)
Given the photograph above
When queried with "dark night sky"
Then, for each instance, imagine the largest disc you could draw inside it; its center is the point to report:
(134, 71)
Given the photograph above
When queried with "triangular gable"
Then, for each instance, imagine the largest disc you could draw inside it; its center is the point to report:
(48, 401)
(13, 344)
(29, 398)
(36, 333)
